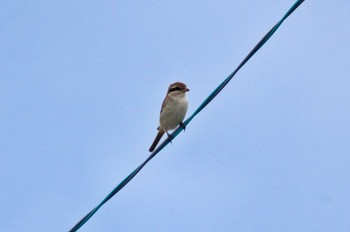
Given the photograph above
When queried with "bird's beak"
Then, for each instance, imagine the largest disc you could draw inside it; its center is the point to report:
(186, 90)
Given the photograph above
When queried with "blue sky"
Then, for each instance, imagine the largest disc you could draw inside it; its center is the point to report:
(81, 87)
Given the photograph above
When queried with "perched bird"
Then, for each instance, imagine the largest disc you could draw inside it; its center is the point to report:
(173, 110)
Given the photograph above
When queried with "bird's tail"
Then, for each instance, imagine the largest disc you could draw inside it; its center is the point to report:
(156, 140)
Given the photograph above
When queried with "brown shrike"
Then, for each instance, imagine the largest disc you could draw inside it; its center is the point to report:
(173, 110)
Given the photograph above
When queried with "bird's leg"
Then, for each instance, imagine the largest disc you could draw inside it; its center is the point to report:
(181, 124)
(170, 137)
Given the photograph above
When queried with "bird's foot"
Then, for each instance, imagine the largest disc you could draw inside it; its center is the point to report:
(181, 124)
(170, 137)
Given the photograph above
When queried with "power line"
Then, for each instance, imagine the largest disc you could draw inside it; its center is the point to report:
(179, 129)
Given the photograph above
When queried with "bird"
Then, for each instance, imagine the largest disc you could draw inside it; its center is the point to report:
(173, 111)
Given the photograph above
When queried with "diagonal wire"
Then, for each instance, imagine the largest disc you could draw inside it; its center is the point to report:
(179, 129)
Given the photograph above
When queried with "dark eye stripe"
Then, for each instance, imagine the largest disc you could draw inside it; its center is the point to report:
(174, 89)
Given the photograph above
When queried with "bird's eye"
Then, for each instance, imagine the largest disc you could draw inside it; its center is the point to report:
(174, 89)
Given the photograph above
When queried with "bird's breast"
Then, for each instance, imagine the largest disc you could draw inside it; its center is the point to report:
(174, 112)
